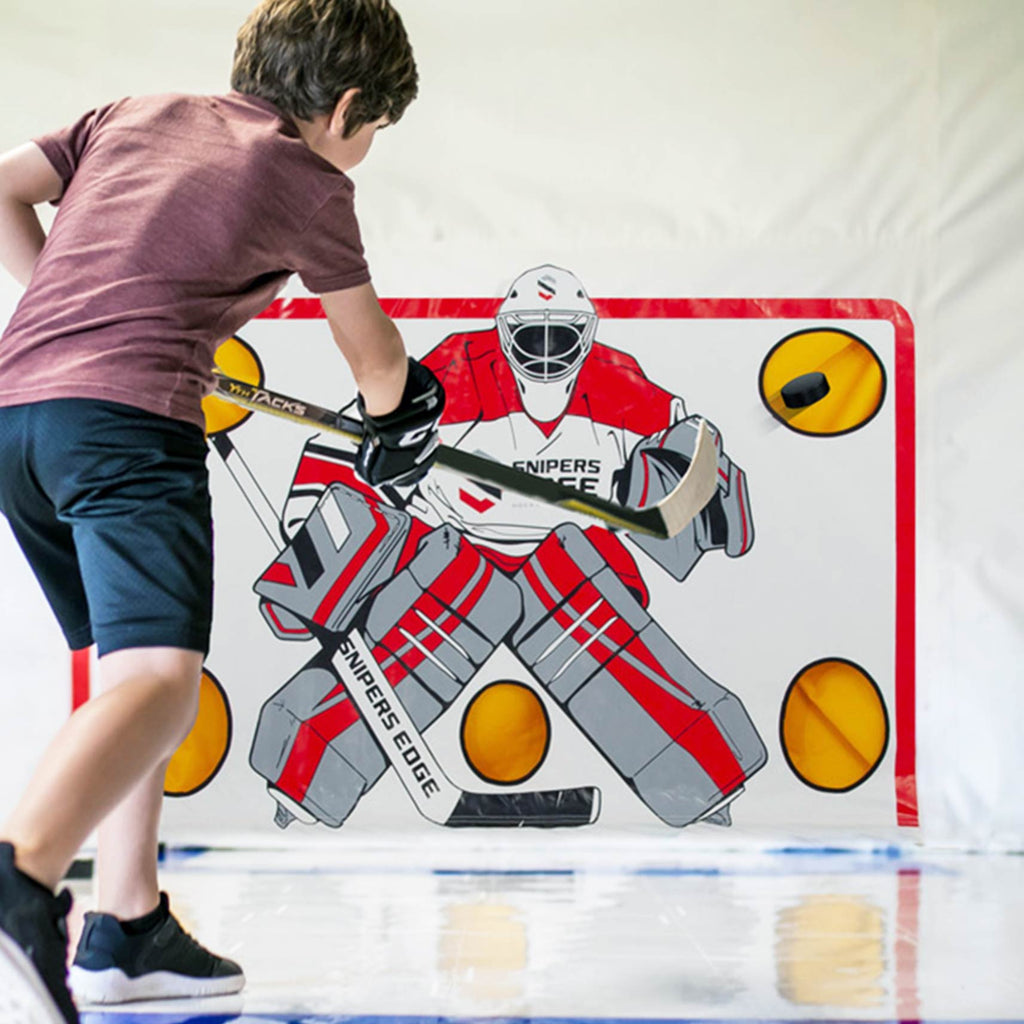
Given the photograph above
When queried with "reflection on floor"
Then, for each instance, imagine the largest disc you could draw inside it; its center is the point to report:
(872, 936)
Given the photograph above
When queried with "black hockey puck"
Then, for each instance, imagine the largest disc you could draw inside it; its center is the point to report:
(805, 390)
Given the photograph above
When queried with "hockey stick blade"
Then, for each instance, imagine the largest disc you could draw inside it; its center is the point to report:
(436, 797)
(666, 518)
(544, 809)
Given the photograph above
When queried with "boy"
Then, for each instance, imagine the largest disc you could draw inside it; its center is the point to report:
(180, 218)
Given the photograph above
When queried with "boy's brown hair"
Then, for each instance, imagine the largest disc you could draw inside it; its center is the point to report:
(303, 55)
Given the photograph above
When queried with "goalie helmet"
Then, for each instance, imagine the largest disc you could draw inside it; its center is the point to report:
(546, 325)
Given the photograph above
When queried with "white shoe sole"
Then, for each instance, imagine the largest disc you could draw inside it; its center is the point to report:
(24, 998)
(114, 986)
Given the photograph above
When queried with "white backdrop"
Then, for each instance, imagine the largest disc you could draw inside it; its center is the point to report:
(775, 148)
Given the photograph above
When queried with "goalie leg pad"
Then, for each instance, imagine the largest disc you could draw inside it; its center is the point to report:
(681, 740)
(442, 616)
(311, 746)
(348, 545)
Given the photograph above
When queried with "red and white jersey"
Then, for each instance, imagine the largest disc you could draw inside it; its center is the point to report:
(611, 407)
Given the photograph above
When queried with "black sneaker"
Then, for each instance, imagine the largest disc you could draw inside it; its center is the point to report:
(164, 962)
(33, 949)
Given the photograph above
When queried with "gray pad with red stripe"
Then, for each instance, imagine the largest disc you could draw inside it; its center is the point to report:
(347, 546)
(442, 616)
(682, 741)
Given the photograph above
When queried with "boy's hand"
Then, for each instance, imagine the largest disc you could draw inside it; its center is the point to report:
(398, 447)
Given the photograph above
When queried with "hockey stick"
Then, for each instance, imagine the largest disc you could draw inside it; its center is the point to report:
(253, 494)
(666, 518)
(436, 797)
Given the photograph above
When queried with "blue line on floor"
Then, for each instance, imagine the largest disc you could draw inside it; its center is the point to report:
(304, 1018)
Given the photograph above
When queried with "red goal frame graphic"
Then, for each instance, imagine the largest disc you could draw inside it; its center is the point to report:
(903, 390)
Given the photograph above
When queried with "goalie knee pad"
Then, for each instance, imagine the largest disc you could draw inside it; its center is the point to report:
(442, 616)
(683, 742)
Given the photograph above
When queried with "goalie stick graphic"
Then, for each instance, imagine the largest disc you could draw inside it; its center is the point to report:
(439, 577)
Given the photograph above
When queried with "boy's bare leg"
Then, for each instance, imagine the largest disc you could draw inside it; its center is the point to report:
(126, 882)
(107, 750)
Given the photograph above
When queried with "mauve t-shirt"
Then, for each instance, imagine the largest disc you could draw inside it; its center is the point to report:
(181, 218)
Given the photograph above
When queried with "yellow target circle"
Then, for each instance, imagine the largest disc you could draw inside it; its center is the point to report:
(236, 359)
(854, 374)
(505, 733)
(205, 748)
(834, 726)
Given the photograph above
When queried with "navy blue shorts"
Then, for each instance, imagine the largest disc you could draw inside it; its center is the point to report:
(111, 506)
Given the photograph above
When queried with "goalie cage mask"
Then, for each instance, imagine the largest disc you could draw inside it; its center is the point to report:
(546, 325)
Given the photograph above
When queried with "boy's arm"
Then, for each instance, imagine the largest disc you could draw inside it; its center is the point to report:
(400, 400)
(26, 179)
(371, 344)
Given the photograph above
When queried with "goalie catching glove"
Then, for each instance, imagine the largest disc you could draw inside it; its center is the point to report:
(398, 447)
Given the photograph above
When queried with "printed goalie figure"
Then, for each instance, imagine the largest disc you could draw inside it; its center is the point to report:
(438, 577)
